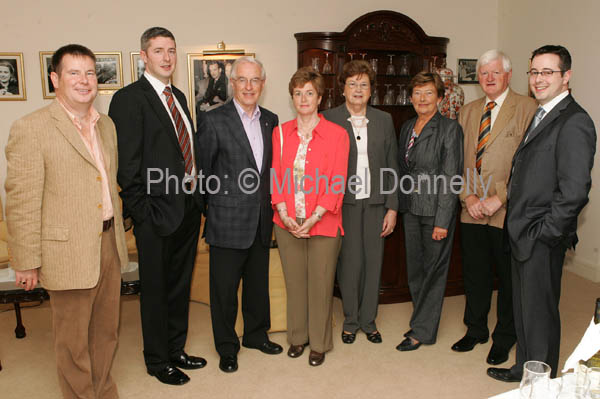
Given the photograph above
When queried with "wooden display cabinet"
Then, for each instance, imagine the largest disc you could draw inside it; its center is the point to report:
(379, 35)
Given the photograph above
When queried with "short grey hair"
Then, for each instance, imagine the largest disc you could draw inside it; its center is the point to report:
(493, 55)
(250, 60)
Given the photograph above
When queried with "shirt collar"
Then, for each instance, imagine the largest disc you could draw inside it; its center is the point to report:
(554, 102)
(320, 129)
(94, 115)
(243, 114)
(499, 101)
(157, 85)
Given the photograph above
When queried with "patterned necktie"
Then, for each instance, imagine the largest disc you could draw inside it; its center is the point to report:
(411, 142)
(182, 133)
(484, 133)
(537, 118)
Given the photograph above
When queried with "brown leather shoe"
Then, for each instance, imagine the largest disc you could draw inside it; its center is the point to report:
(296, 350)
(316, 358)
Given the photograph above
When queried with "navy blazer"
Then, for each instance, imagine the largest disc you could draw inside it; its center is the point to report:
(551, 180)
(242, 203)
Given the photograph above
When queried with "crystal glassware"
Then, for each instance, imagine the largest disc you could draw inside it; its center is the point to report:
(327, 67)
(315, 63)
(373, 62)
(329, 102)
(535, 381)
(351, 56)
(404, 67)
(375, 96)
(593, 376)
(390, 70)
(388, 99)
(363, 55)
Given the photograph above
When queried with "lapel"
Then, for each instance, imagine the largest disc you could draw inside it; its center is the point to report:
(504, 116)
(267, 133)
(160, 110)
(548, 119)
(342, 119)
(100, 134)
(428, 130)
(237, 131)
(65, 126)
(373, 134)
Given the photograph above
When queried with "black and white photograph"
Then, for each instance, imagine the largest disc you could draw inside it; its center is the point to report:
(209, 80)
(467, 71)
(12, 79)
(137, 66)
(109, 71)
(45, 69)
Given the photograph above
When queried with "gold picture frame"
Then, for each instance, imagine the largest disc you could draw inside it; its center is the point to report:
(45, 69)
(199, 77)
(137, 66)
(12, 77)
(109, 71)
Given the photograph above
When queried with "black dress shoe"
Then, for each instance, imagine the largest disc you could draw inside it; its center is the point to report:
(228, 364)
(497, 355)
(503, 375)
(316, 358)
(408, 345)
(187, 362)
(296, 350)
(467, 343)
(348, 338)
(268, 347)
(170, 375)
(374, 337)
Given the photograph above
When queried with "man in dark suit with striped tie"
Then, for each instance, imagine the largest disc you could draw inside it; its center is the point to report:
(157, 164)
(548, 188)
(235, 146)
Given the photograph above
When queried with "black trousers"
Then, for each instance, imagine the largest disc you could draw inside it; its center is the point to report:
(536, 295)
(166, 265)
(482, 248)
(227, 267)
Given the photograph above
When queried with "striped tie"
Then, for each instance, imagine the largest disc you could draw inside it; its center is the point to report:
(484, 133)
(182, 133)
(411, 142)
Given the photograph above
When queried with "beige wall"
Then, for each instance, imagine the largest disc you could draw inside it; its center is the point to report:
(264, 27)
(526, 25)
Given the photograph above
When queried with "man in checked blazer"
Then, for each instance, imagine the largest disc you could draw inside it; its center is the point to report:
(64, 222)
(235, 146)
(491, 138)
(157, 168)
(548, 188)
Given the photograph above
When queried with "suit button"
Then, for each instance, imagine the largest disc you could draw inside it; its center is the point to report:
(99, 178)
(99, 206)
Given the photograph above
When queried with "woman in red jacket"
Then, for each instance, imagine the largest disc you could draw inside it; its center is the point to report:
(310, 160)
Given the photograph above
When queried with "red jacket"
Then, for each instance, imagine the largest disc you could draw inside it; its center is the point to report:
(325, 170)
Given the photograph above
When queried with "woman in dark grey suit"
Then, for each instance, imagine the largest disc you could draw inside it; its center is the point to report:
(368, 215)
(430, 154)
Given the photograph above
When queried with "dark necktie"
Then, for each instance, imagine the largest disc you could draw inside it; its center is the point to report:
(484, 133)
(182, 133)
(537, 118)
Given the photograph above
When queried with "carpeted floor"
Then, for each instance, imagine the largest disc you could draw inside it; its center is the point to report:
(360, 370)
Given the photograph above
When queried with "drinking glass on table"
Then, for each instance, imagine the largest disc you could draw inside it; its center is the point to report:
(593, 377)
(573, 386)
(535, 381)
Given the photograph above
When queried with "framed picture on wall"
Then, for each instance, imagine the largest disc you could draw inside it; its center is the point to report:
(12, 78)
(137, 66)
(209, 79)
(467, 71)
(45, 69)
(109, 71)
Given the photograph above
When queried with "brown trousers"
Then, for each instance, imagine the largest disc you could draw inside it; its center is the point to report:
(85, 324)
(309, 271)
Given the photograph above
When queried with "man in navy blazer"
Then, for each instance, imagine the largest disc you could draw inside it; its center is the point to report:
(158, 163)
(235, 146)
(548, 188)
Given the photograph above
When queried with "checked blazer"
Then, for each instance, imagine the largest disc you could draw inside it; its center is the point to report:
(242, 203)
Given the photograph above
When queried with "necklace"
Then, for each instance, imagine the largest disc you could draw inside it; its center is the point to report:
(305, 132)
(362, 122)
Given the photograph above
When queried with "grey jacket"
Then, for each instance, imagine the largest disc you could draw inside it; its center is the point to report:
(425, 180)
(382, 150)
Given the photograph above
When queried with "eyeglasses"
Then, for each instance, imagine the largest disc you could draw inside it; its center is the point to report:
(354, 85)
(544, 72)
(244, 81)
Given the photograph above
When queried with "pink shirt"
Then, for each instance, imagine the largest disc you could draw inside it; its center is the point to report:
(253, 131)
(326, 169)
(91, 143)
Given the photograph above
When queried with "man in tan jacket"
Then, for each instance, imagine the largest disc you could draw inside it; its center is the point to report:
(493, 127)
(65, 225)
